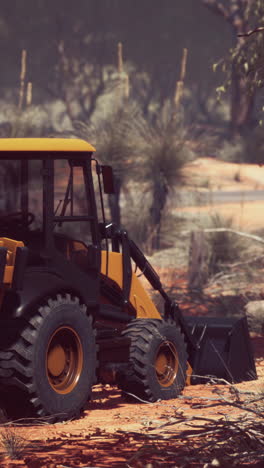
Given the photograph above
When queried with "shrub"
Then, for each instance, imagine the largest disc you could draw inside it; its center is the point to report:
(247, 148)
(12, 444)
(232, 151)
(224, 247)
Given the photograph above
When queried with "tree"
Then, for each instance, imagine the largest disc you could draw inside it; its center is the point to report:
(163, 144)
(240, 65)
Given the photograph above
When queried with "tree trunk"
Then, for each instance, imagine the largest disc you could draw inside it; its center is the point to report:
(198, 262)
(242, 104)
(242, 97)
(160, 193)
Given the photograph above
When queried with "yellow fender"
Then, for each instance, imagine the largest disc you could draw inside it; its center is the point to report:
(11, 246)
(138, 298)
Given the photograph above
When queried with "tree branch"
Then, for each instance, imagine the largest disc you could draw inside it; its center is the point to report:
(253, 31)
(248, 262)
(238, 233)
(233, 231)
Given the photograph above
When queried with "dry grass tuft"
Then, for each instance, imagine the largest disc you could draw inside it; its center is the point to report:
(12, 444)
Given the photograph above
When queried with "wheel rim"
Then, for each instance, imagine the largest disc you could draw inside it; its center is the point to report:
(166, 364)
(64, 360)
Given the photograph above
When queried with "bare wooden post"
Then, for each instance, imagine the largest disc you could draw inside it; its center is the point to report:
(123, 88)
(120, 58)
(198, 262)
(29, 94)
(180, 83)
(22, 78)
(127, 87)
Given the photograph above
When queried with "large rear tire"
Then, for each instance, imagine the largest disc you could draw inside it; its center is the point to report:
(157, 362)
(50, 369)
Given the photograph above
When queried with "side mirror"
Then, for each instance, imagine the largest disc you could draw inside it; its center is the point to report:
(108, 179)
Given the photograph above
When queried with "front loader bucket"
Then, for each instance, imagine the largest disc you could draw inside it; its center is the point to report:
(224, 349)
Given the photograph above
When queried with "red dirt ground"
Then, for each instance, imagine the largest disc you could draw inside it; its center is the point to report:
(209, 174)
(111, 431)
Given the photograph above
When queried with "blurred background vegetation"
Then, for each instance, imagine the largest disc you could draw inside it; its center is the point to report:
(151, 84)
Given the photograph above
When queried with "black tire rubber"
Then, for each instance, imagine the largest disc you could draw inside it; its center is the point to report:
(23, 366)
(141, 378)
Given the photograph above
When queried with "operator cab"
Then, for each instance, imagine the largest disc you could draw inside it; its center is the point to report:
(47, 198)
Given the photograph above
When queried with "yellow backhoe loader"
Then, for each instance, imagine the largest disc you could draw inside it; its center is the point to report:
(73, 309)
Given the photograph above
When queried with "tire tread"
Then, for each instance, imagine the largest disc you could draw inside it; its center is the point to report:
(16, 368)
(135, 380)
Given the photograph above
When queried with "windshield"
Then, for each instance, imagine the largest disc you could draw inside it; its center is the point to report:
(70, 200)
(20, 193)
(21, 199)
(9, 184)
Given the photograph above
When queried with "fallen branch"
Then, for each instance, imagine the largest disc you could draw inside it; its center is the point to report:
(212, 438)
(239, 264)
(232, 231)
(253, 31)
(238, 233)
(222, 435)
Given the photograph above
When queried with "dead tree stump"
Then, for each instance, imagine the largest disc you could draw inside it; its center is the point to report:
(198, 262)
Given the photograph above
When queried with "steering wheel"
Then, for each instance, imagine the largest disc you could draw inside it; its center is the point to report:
(16, 218)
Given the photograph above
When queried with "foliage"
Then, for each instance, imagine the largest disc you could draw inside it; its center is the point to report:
(114, 136)
(242, 65)
(165, 148)
(90, 33)
(33, 121)
(150, 153)
(231, 151)
(246, 57)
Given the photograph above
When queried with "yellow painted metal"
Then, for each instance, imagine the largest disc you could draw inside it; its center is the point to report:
(44, 144)
(11, 246)
(138, 298)
(115, 269)
(64, 360)
(188, 374)
(166, 364)
(56, 360)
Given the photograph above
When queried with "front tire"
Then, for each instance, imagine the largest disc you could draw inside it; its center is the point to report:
(157, 362)
(51, 367)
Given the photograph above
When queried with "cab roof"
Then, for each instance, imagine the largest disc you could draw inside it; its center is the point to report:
(41, 148)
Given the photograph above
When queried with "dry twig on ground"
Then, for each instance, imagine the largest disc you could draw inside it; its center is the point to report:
(233, 438)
